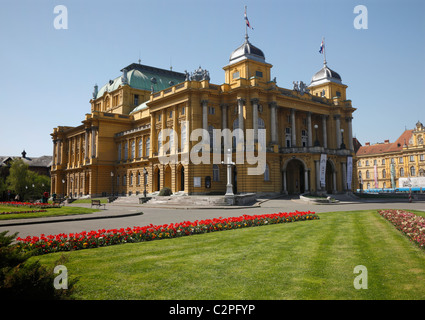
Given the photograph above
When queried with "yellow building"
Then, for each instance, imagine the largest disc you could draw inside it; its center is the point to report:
(392, 165)
(118, 147)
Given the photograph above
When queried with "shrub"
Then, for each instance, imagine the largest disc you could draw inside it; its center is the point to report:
(165, 192)
(22, 279)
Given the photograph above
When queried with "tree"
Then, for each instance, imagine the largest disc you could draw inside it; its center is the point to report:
(18, 178)
(27, 184)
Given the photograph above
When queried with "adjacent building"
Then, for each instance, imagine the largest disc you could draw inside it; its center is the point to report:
(117, 148)
(396, 165)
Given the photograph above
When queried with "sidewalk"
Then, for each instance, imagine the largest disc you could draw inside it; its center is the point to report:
(108, 213)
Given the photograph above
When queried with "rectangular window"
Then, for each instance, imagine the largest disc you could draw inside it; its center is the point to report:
(236, 75)
(383, 161)
(421, 157)
(183, 110)
(259, 74)
(400, 160)
(412, 158)
(211, 110)
(136, 99)
(148, 146)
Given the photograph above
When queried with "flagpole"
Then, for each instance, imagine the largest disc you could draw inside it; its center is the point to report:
(246, 27)
(324, 51)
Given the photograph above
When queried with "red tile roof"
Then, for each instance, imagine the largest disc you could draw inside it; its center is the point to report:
(380, 148)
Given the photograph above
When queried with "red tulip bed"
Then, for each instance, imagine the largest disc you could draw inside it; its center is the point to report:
(41, 207)
(29, 205)
(93, 239)
(410, 224)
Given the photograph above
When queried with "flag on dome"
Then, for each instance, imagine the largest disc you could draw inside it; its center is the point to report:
(247, 21)
(322, 46)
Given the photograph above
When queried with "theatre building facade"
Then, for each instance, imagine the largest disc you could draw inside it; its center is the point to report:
(118, 146)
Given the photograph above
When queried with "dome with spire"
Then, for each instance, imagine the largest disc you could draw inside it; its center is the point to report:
(325, 75)
(247, 51)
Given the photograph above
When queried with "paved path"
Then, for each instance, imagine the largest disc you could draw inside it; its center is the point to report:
(123, 216)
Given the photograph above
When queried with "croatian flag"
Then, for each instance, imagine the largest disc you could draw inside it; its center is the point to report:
(247, 21)
(322, 47)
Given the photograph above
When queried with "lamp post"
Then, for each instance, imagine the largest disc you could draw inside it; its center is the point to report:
(316, 143)
(229, 186)
(144, 181)
(112, 183)
(63, 188)
(342, 139)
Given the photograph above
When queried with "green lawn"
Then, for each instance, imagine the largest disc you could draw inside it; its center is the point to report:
(302, 260)
(63, 211)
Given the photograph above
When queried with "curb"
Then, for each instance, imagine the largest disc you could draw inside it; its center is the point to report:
(70, 218)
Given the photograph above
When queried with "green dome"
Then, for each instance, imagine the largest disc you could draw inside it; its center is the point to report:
(144, 78)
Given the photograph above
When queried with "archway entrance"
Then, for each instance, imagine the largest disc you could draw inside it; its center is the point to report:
(180, 178)
(156, 179)
(330, 181)
(295, 178)
(235, 180)
(167, 177)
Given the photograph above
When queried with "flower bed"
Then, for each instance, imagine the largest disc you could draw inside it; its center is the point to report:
(28, 211)
(93, 239)
(411, 225)
(29, 205)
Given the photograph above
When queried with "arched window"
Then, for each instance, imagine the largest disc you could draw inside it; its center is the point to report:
(183, 135)
(131, 179)
(140, 147)
(384, 174)
(138, 178)
(216, 173)
(367, 174)
(124, 180)
(148, 146)
(401, 172)
(126, 150)
(267, 173)
(159, 141)
(133, 149)
(211, 134)
(412, 171)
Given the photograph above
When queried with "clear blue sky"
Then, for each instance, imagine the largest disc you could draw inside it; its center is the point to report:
(47, 75)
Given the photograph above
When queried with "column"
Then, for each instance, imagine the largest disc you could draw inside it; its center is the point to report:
(204, 114)
(309, 130)
(254, 103)
(86, 145)
(293, 133)
(334, 181)
(55, 152)
(317, 165)
(240, 113)
(285, 189)
(350, 133)
(338, 131)
(93, 142)
(324, 128)
(273, 106)
(306, 180)
(224, 116)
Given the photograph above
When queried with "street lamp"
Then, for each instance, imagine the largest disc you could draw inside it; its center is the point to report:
(316, 143)
(342, 139)
(112, 183)
(63, 188)
(144, 181)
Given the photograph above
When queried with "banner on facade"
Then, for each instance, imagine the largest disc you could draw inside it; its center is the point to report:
(392, 176)
(349, 172)
(323, 159)
(376, 177)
